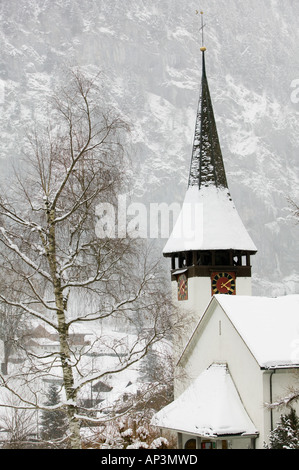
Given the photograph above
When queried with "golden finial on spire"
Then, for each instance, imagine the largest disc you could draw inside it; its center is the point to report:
(203, 48)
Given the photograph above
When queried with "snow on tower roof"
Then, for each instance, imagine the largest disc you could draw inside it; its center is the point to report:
(208, 221)
(210, 406)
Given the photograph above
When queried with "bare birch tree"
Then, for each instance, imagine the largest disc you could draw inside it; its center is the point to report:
(59, 271)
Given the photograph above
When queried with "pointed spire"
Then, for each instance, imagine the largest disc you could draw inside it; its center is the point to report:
(208, 220)
(207, 166)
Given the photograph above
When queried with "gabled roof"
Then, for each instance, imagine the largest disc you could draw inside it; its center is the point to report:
(210, 406)
(268, 326)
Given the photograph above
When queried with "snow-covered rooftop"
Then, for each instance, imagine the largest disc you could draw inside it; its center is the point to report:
(210, 406)
(208, 221)
(268, 326)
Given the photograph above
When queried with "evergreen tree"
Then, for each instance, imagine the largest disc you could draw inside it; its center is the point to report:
(286, 434)
(53, 421)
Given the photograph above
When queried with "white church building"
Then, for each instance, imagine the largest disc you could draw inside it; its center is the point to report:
(239, 353)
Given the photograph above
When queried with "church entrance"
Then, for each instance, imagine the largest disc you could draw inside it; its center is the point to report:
(206, 444)
(191, 444)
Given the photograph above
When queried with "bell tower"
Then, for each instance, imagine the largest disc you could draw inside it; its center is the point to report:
(210, 249)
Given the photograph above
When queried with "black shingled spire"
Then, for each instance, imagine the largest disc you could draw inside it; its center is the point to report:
(207, 166)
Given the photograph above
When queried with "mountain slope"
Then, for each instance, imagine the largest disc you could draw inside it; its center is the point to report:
(149, 53)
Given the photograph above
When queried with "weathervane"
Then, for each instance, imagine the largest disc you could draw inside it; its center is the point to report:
(201, 29)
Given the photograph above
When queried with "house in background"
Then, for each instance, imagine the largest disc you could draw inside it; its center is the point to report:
(43, 340)
(238, 352)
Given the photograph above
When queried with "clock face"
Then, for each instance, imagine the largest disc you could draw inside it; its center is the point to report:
(182, 287)
(223, 283)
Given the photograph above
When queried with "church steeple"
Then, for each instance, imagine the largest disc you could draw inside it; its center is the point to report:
(207, 166)
(216, 224)
(210, 249)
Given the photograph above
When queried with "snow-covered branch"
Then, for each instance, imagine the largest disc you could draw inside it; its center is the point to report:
(286, 400)
(22, 306)
(6, 240)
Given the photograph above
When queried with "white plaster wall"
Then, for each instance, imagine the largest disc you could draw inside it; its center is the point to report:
(199, 297)
(243, 286)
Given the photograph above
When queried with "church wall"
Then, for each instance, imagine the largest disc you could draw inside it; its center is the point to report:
(218, 341)
(243, 286)
(199, 294)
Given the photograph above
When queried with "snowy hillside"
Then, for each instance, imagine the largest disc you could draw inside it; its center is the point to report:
(149, 52)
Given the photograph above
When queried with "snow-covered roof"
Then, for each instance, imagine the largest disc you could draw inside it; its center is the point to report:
(268, 326)
(208, 221)
(210, 406)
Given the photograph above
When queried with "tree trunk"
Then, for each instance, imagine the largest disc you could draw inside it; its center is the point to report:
(74, 427)
(65, 353)
(68, 379)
